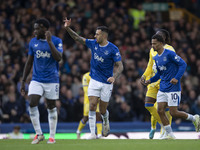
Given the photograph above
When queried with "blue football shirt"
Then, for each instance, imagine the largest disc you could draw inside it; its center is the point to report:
(45, 67)
(102, 60)
(169, 65)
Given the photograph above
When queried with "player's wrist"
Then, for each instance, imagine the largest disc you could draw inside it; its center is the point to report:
(149, 81)
(143, 76)
(114, 78)
(50, 41)
(67, 27)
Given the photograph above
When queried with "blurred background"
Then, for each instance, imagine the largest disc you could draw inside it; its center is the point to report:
(131, 24)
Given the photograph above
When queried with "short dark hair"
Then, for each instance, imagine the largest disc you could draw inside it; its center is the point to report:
(44, 22)
(158, 38)
(17, 127)
(167, 35)
(103, 28)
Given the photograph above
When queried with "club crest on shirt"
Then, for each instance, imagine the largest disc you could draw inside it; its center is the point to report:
(35, 45)
(106, 52)
(95, 48)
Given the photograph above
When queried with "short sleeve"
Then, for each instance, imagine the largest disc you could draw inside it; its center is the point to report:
(59, 45)
(89, 43)
(85, 80)
(30, 49)
(116, 55)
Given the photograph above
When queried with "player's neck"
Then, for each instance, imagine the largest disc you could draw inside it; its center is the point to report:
(160, 51)
(103, 43)
(42, 38)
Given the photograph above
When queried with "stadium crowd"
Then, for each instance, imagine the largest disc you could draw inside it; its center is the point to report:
(127, 101)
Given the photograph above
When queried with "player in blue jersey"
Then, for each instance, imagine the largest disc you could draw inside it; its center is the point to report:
(45, 51)
(104, 56)
(170, 68)
(152, 89)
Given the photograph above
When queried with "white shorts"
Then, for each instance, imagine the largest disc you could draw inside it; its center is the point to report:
(100, 89)
(48, 90)
(171, 98)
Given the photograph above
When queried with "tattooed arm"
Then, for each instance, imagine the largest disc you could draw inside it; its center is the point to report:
(117, 72)
(72, 33)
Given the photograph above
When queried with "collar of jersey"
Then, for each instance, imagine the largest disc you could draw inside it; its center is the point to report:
(42, 40)
(162, 53)
(104, 45)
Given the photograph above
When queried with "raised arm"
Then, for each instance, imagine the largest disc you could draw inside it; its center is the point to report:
(72, 33)
(117, 72)
(55, 53)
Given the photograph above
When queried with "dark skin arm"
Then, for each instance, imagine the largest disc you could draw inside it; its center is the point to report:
(73, 34)
(147, 82)
(142, 80)
(55, 53)
(117, 72)
(26, 72)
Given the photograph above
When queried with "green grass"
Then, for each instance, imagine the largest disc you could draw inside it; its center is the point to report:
(102, 145)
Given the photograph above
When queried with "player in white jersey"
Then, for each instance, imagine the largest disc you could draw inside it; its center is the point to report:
(45, 51)
(170, 68)
(104, 56)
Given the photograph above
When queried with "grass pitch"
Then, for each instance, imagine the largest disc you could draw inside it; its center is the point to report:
(102, 144)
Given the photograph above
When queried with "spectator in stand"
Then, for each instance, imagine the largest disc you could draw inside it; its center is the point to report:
(16, 133)
(12, 109)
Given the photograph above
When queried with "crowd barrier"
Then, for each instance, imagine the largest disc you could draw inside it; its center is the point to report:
(116, 127)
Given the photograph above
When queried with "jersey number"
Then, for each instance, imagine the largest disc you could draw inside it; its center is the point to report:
(175, 97)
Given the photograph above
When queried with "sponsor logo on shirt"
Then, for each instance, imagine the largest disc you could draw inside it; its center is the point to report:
(60, 46)
(98, 58)
(177, 58)
(162, 68)
(42, 54)
(118, 54)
